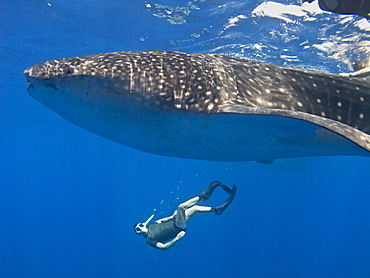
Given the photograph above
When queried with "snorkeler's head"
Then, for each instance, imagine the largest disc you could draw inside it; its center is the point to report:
(140, 228)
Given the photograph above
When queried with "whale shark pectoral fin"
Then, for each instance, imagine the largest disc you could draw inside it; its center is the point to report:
(280, 122)
(363, 74)
(267, 162)
(295, 130)
(303, 135)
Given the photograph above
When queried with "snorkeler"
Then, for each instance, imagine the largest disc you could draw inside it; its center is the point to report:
(165, 232)
(359, 7)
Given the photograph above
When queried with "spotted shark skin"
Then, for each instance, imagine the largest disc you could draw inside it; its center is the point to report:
(207, 106)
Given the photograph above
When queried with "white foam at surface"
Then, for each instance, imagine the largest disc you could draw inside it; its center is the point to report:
(282, 11)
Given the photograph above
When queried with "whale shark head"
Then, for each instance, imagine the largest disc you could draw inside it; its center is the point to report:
(166, 80)
(205, 106)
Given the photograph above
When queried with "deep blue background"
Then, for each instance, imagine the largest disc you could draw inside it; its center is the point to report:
(69, 199)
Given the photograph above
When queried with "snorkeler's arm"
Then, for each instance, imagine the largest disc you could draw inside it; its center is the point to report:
(165, 246)
(165, 219)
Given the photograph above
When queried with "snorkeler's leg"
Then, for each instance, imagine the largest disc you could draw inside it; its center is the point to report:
(189, 203)
(189, 213)
(180, 217)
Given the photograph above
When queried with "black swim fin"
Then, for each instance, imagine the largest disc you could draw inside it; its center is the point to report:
(219, 210)
(227, 189)
(206, 194)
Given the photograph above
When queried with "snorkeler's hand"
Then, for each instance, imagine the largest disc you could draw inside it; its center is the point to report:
(180, 235)
(158, 221)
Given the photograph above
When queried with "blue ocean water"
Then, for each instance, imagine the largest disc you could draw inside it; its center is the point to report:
(69, 199)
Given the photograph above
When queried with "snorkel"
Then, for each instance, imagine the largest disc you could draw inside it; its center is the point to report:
(148, 220)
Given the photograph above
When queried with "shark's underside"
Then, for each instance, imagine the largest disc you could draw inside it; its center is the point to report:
(205, 106)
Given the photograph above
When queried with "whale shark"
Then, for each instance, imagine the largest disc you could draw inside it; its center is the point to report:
(207, 106)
